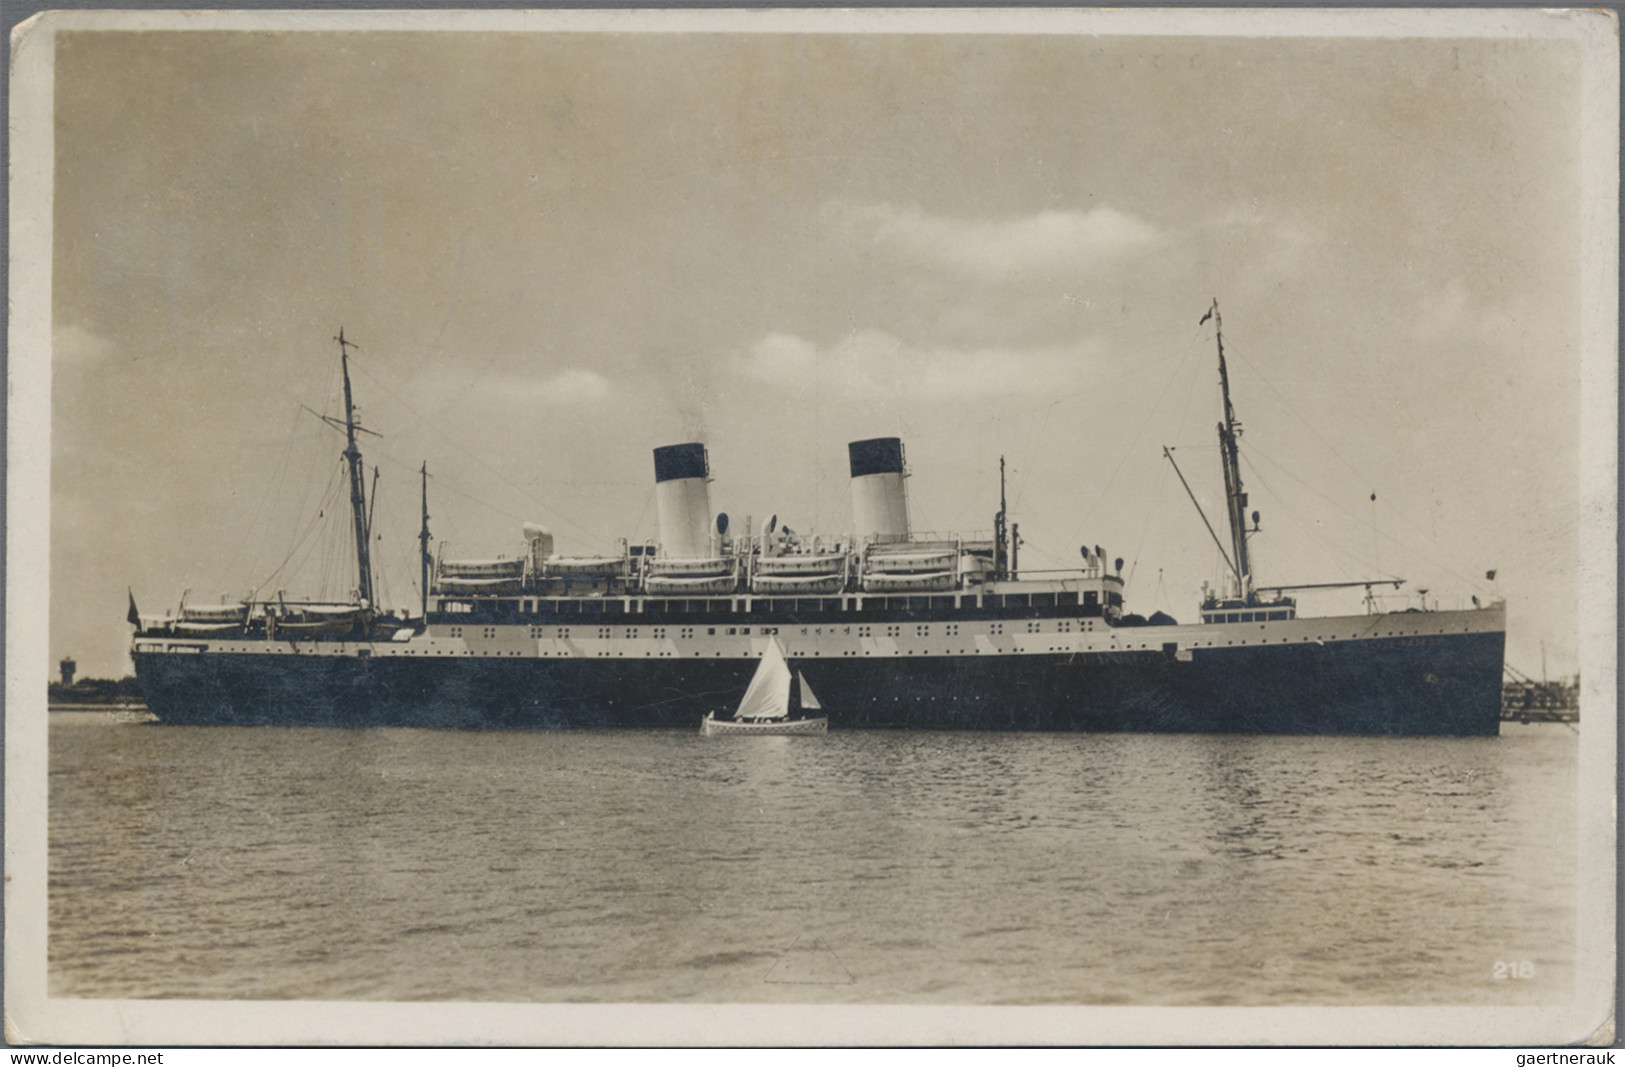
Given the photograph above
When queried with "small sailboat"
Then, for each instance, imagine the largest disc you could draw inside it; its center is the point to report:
(777, 701)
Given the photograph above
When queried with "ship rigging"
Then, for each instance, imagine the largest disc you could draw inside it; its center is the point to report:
(1243, 596)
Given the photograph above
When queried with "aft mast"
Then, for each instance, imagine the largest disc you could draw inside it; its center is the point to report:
(1215, 607)
(358, 495)
(423, 541)
(1001, 550)
(1235, 497)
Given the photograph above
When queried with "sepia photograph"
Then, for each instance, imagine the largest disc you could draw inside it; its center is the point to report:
(812, 527)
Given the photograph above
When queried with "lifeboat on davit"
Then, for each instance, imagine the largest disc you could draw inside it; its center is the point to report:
(481, 577)
(933, 561)
(930, 582)
(584, 567)
(690, 577)
(215, 619)
(798, 564)
(894, 569)
(214, 613)
(797, 584)
(799, 574)
(312, 620)
(690, 585)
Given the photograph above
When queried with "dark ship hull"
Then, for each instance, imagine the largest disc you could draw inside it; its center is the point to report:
(1442, 684)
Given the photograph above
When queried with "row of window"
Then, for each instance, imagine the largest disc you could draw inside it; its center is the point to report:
(1248, 616)
(684, 633)
(487, 632)
(794, 605)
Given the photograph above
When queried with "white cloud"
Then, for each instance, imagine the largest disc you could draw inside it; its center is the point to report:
(572, 387)
(781, 358)
(1444, 312)
(1455, 313)
(990, 249)
(874, 364)
(1250, 216)
(72, 344)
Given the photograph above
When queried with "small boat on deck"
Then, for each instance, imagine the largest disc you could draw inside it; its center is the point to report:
(777, 701)
(319, 619)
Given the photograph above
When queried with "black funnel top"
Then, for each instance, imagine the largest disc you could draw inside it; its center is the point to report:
(878, 455)
(680, 461)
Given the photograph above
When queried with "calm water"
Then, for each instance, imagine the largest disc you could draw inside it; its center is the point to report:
(900, 867)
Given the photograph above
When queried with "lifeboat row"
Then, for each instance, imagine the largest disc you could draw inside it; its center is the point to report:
(507, 577)
(514, 569)
(301, 619)
(810, 574)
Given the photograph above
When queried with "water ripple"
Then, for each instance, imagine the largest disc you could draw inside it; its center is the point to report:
(930, 867)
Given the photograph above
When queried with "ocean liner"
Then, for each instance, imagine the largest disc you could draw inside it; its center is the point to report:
(893, 629)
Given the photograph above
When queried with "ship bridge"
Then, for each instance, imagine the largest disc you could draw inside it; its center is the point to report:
(1248, 610)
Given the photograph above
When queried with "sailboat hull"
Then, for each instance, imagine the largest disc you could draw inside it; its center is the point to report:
(711, 726)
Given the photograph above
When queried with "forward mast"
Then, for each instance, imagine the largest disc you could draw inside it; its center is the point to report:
(358, 494)
(1229, 456)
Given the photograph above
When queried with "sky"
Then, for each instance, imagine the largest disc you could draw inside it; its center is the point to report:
(557, 252)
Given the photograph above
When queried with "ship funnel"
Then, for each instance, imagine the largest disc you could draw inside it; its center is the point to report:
(540, 540)
(683, 500)
(879, 505)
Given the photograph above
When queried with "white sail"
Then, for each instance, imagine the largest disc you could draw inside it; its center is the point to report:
(768, 696)
(809, 702)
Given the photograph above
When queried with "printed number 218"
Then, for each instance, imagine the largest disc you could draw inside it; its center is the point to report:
(1505, 969)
